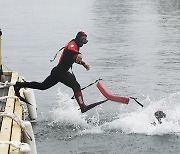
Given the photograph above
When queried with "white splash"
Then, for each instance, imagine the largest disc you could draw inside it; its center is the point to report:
(67, 111)
(138, 121)
(141, 121)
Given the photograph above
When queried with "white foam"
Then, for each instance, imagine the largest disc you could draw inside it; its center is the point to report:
(137, 121)
(140, 121)
(67, 111)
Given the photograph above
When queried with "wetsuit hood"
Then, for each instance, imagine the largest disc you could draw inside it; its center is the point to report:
(81, 38)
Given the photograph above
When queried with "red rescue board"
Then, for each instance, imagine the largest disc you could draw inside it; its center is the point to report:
(108, 94)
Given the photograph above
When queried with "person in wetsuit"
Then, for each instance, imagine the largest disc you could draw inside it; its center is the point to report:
(159, 115)
(60, 72)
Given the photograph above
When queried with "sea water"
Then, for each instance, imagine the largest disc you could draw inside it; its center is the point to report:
(133, 46)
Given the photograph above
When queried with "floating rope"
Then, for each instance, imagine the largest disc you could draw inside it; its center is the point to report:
(5, 97)
(6, 84)
(23, 147)
(20, 122)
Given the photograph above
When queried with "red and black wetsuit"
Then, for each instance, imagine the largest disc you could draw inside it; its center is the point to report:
(60, 73)
(69, 55)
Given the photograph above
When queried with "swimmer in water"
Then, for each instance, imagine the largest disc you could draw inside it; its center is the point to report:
(159, 115)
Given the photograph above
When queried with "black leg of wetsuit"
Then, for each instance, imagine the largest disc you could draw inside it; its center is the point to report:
(56, 76)
(49, 82)
(69, 80)
(46, 84)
